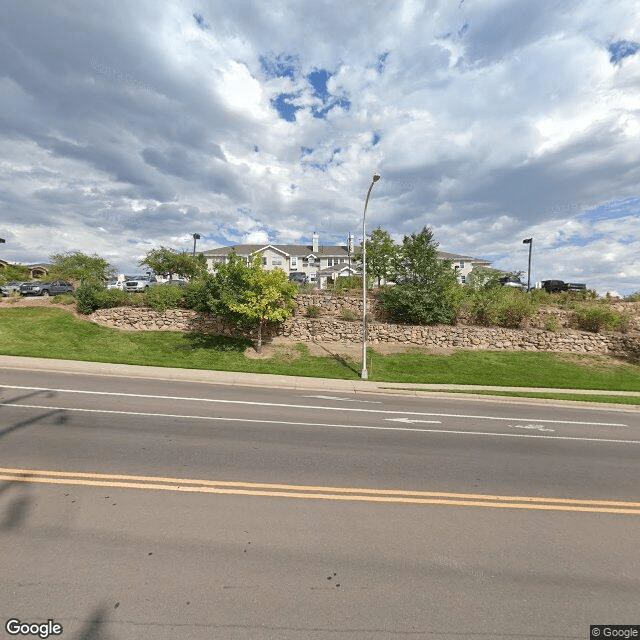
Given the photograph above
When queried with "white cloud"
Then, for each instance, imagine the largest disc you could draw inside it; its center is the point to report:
(489, 121)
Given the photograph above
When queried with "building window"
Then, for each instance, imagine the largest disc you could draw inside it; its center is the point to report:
(311, 260)
(463, 279)
(332, 262)
(294, 263)
(462, 264)
(265, 261)
(276, 261)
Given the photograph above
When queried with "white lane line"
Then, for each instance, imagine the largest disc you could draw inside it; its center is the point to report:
(344, 399)
(319, 408)
(320, 424)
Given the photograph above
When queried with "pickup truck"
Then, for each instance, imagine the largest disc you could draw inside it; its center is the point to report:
(139, 283)
(555, 286)
(45, 288)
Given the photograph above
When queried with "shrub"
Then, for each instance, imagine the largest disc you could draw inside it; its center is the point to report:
(346, 283)
(348, 314)
(92, 296)
(163, 297)
(87, 297)
(596, 317)
(63, 298)
(313, 312)
(199, 293)
(551, 323)
(512, 310)
(633, 297)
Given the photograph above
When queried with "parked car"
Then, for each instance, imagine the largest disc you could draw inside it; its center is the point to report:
(140, 283)
(556, 286)
(513, 282)
(9, 287)
(177, 281)
(45, 288)
(115, 284)
(298, 276)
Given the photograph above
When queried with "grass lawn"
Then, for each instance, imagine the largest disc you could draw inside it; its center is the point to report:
(55, 333)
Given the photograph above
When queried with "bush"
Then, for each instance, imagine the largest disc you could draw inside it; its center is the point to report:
(633, 297)
(163, 297)
(313, 312)
(93, 296)
(346, 283)
(551, 323)
(63, 298)
(87, 297)
(596, 317)
(513, 309)
(418, 303)
(348, 314)
(199, 292)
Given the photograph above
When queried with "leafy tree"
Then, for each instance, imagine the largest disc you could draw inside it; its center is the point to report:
(382, 253)
(485, 278)
(169, 261)
(80, 267)
(427, 289)
(249, 295)
(14, 272)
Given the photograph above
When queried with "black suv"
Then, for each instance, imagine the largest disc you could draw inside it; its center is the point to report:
(46, 288)
(298, 276)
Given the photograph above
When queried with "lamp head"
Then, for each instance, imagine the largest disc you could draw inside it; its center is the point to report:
(527, 241)
(376, 177)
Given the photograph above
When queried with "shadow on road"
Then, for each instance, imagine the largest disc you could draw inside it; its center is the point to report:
(16, 511)
(94, 628)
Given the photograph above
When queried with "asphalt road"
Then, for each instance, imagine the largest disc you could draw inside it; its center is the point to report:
(144, 508)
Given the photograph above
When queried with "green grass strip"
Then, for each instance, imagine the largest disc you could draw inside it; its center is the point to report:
(56, 333)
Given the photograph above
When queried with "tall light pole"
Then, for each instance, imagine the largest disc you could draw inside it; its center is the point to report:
(529, 241)
(196, 236)
(365, 373)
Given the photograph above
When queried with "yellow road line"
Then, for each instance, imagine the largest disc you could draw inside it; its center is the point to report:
(387, 496)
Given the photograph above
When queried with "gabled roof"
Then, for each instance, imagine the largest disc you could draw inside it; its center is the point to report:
(445, 255)
(295, 250)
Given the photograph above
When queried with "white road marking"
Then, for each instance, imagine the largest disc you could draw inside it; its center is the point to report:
(344, 399)
(320, 424)
(319, 408)
(535, 427)
(409, 421)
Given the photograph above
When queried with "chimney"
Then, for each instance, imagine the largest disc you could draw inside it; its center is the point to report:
(316, 240)
(350, 244)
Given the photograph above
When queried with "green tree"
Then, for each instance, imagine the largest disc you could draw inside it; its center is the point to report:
(169, 261)
(14, 273)
(80, 267)
(249, 295)
(382, 252)
(426, 291)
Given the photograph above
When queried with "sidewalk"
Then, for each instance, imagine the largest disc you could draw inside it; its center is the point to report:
(271, 381)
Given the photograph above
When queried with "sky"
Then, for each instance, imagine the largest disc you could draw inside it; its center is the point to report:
(130, 125)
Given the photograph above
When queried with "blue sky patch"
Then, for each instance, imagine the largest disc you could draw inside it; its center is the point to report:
(375, 139)
(622, 49)
(319, 80)
(284, 106)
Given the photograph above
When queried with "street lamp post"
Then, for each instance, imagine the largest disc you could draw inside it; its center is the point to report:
(365, 373)
(196, 236)
(529, 241)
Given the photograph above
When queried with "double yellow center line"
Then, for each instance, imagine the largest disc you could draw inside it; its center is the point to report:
(385, 496)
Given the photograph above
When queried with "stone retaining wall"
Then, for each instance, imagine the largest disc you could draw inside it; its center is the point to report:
(333, 329)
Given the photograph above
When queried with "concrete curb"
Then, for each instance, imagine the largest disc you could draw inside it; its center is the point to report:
(79, 367)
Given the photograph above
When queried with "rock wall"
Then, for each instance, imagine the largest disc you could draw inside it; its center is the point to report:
(331, 328)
